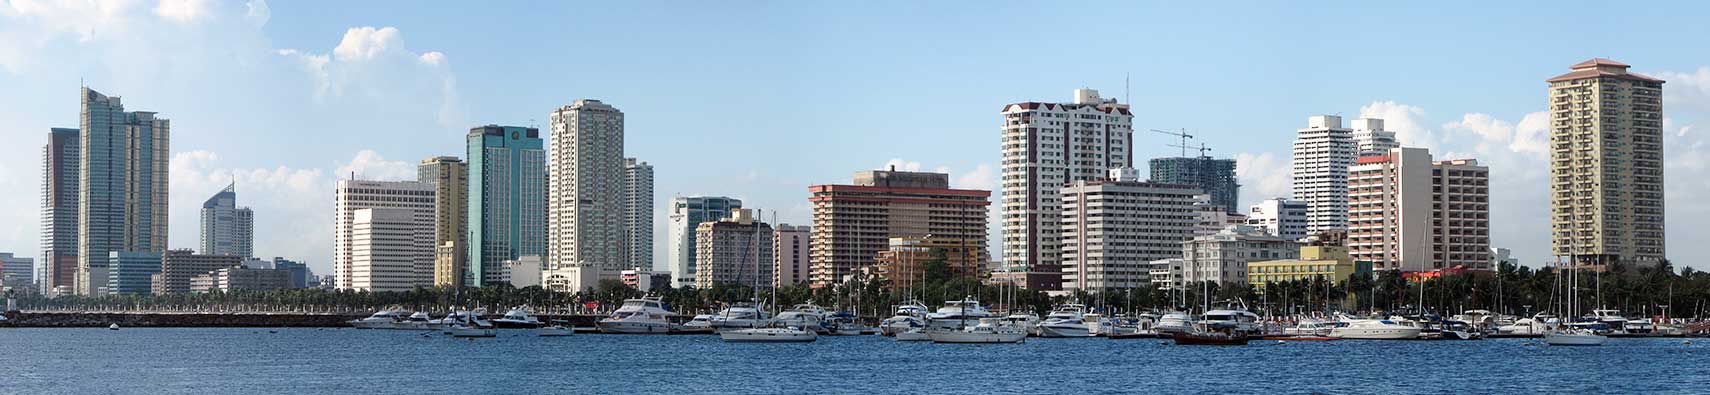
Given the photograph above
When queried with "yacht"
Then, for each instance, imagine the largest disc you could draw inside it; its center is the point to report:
(742, 315)
(955, 314)
(1174, 322)
(1460, 330)
(384, 319)
(1537, 325)
(908, 316)
(417, 321)
(469, 318)
(518, 318)
(1574, 337)
(1374, 330)
(806, 316)
(913, 335)
(1027, 322)
(1309, 327)
(701, 324)
(460, 330)
(988, 330)
(558, 328)
(638, 316)
(768, 335)
(842, 323)
(1612, 319)
(1235, 314)
(1641, 326)
(1065, 321)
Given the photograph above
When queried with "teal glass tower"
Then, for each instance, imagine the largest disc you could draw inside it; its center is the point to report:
(507, 199)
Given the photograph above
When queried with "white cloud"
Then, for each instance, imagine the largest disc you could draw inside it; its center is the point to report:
(375, 65)
(257, 12)
(184, 11)
(1406, 121)
(1263, 176)
(369, 165)
(1686, 91)
(899, 164)
(984, 177)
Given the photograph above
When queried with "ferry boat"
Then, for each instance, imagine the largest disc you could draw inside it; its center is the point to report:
(518, 318)
(384, 319)
(638, 316)
(742, 315)
(1374, 330)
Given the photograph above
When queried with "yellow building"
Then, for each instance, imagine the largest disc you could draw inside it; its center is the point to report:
(1331, 261)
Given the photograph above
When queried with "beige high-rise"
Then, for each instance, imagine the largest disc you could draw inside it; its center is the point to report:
(853, 223)
(1606, 165)
(1406, 212)
(450, 177)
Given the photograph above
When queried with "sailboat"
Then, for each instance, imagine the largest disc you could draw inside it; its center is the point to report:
(1568, 335)
(761, 328)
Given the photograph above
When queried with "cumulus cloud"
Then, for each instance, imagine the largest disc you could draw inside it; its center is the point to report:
(369, 165)
(984, 177)
(1688, 91)
(184, 11)
(903, 165)
(1406, 121)
(1263, 176)
(374, 64)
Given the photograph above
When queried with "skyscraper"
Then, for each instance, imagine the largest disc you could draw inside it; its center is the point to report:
(1322, 153)
(353, 195)
(584, 222)
(450, 177)
(507, 199)
(1216, 177)
(853, 223)
(687, 214)
(1114, 228)
(638, 213)
(391, 249)
(1606, 165)
(226, 228)
(1371, 139)
(1047, 145)
(59, 210)
(1409, 213)
(122, 185)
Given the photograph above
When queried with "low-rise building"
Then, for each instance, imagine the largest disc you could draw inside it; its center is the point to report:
(903, 265)
(1322, 256)
(524, 272)
(646, 280)
(1281, 217)
(131, 272)
(1166, 274)
(178, 267)
(1223, 257)
(241, 279)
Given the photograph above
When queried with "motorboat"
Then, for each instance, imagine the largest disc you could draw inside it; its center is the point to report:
(1611, 318)
(1309, 327)
(638, 316)
(741, 315)
(806, 316)
(988, 330)
(1641, 327)
(1212, 334)
(1374, 330)
(769, 335)
(384, 319)
(460, 330)
(1481, 320)
(1236, 315)
(909, 315)
(1027, 322)
(418, 321)
(518, 318)
(558, 328)
(1460, 330)
(1537, 325)
(1174, 322)
(955, 314)
(1574, 337)
(842, 323)
(1065, 321)
(469, 318)
(701, 324)
(913, 335)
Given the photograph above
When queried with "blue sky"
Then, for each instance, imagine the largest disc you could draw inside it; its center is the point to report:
(761, 99)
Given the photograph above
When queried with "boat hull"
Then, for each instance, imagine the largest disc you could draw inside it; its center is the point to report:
(1064, 331)
(963, 337)
(474, 332)
(1190, 339)
(768, 336)
(554, 332)
(634, 327)
(1375, 333)
(1561, 339)
(510, 324)
(913, 336)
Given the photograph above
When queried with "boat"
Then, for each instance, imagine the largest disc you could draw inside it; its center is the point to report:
(913, 335)
(701, 324)
(842, 323)
(558, 328)
(988, 330)
(384, 319)
(1067, 320)
(909, 315)
(1537, 325)
(1461, 330)
(742, 315)
(1309, 328)
(1612, 319)
(1374, 330)
(113, 327)
(806, 316)
(518, 318)
(1235, 314)
(954, 314)
(1574, 337)
(1641, 326)
(1174, 322)
(638, 316)
(769, 335)
(468, 318)
(1026, 321)
(418, 321)
(460, 330)
(1212, 334)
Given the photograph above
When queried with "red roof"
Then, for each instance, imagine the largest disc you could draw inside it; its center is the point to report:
(1594, 62)
(1369, 159)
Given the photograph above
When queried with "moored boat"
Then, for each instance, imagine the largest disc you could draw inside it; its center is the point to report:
(1574, 337)
(518, 318)
(459, 330)
(988, 330)
(1374, 330)
(1223, 334)
(638, 316)
(768, 335)
(384, 319)
(558, 328)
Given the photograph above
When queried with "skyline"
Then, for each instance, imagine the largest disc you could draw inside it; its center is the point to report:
(290, 103)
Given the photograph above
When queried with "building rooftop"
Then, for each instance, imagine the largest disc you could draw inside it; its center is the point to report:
(1600, 67)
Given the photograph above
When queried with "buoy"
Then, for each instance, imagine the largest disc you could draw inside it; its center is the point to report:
(113, 327)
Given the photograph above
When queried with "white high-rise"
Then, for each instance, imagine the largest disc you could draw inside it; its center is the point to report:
(1285, 218)
(638, 213)
(391, 249)
(585, 185)
(1322, 153)
(1371, 139)
(1114, 228)
(353, 195)
(1047, 145)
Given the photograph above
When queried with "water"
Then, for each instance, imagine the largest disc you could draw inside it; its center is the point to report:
(299, 360)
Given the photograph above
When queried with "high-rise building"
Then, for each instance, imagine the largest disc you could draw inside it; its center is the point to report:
(1322, 153)
(1281, 217)
(584, 223)
(507, 199)
(132, 273)
(1371, 139)
(852, 223)
(687, 214)
(790, 249)
(1216, 177)
(1113, 228)
(1048, 145)
(353, 195)
(903, 264)
(391, 249)
(59, 211)
(1409, 213)
(734, 251)
(1606, 165)
(1223, 257)
(123, 159)
(450, 177)
(178, 267)
(16, 270)
(226, 228)
(637, 213)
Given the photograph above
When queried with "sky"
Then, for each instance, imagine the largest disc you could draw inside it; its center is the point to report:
(759, 100)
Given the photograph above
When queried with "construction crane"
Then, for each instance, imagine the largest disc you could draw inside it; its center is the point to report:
(1183, 135)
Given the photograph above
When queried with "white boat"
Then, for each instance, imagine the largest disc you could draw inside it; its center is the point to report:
(1309, 328)
(1537, 325)
(909, 316)
(955, 314)
(459, 330)
(384, 319)
(468, 318)
(1612, 319)
(518, 318)
(558, 328)
(638, 316)
(1065, 321)
(988, 330)
(1574, 337)
(913, 335)
(1235, 315)
(1374, 330)
(700, 324)
(741, 315)
(842, 323)
(1173, 323)
(1027, 322)
(417, 321)
(769, 335)
(113, 327)
(806, 316)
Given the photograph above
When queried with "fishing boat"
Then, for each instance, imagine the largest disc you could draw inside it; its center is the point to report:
(769, 335)
(638, 316)
(460, 330)
(558, 328)
(988, 330)
(518, 318)
(1212, 334)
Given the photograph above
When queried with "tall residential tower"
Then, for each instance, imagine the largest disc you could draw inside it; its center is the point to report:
(1322, 153)
(1606, 165)
(637, 214)
(59, 212)
(122, 186)
(1047, 145)
(450, 177)
(584, 220)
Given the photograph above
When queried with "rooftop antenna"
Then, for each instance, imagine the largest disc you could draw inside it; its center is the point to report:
(1183, 134)
(1126, 98)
